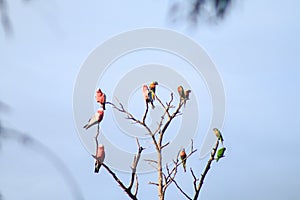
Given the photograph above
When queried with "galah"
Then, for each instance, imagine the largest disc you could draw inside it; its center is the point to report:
(95, 119)
(152, 88)
(218, 134)
(101, 98)
(220, 153)
(183, 158)
(147, 94)
(99, 158)
(145, 91)
(184, 95)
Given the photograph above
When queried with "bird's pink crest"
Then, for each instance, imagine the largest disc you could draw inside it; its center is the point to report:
(145, 88)
(99, 90)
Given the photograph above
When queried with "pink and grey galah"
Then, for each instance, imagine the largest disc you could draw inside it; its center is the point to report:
(99, 157)
(100, 98)
(95, 119)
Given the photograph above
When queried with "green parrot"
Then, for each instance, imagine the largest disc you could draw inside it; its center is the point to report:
(218, 134)
(183, 159)
(220, 153)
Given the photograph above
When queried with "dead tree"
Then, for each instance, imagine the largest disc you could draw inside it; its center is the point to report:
(166, 175)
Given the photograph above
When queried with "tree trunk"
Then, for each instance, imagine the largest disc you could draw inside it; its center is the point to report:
(160, 176)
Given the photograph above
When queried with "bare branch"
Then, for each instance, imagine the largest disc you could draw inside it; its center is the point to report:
(168, 179)
(178, 163)
(149, 163)
(96, 138)
(150, 160)
(177, 111)
(195, 179)
(128, 192)
(135, 163)
(163, 115)
(131, 117)
(172, 173)
(146, 111)
(179, 188)
(133, 174)
(136, 186)
(163, 146)
(160, 173)
(152, 183)
(168, 105)
(163, 180)
(160, 124)
(165, 177)
(211, 159)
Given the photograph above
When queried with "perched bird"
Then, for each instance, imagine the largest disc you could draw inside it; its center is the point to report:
(187, 94)
(220, 153)
(218, 134)
(99, 157)
(151, 95)
(147, 94)
(145, 91)
(95, 119)
(183, 158)
(152, 88)
(101, 98)
(184, 95)
(181, 93)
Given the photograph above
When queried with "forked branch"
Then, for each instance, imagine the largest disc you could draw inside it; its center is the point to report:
(134, 179)
(171, 173)
(135, 120)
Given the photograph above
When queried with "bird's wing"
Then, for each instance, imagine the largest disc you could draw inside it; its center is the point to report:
(181, 91)
(93, 120)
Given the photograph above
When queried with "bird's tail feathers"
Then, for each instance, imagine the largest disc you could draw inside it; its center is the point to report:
(86, 126)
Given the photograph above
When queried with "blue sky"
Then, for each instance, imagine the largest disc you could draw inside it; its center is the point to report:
(256, 50)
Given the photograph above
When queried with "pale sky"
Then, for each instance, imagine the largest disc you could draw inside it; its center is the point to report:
(256, 50)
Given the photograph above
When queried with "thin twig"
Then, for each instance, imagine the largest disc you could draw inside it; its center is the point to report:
(131, 117)
(146, 111)
(172, 173)
(150, 160)
(165, 108)
(96, 138)
(135, 163)
(163, 146)
(179, 188)
(136, 186)
(180, 162)
(195, 179)
(211, 159)
(152, 183)
(149, 163)
(128, 192)
(172, 117)
(133, 174)
(160, 123)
